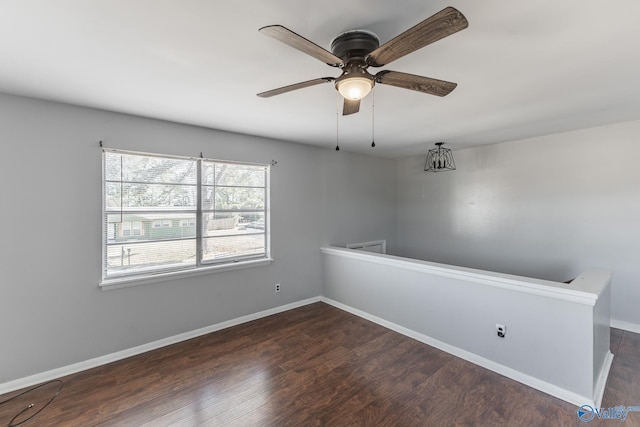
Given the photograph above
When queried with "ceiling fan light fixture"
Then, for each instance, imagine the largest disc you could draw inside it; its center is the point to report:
(355, 51)
(354, 88)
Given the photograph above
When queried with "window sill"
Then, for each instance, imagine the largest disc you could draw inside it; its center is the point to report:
(127, 282)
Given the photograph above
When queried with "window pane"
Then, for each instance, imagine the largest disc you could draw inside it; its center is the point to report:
(232, 198)
(217, 248)
(112, 169)
(141, 168)
(224, 224)
(251, 222)
(149, 195)
(150, 257)
(150, 227)
(221, 224)
(232, 174)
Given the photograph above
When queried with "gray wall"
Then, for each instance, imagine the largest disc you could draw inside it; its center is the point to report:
(52, 313)
(548, 208)
(551, 338)
(353, 187)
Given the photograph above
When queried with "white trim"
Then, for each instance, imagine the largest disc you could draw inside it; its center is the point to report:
(527, 285)
(624, 325)
(123, 354)
(523, 378)
(601, 382)
(127, 282)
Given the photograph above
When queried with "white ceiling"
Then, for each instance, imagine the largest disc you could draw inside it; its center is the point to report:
(523, 68)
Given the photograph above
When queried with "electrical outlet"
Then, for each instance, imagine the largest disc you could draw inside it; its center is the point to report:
(277, 287)
(501, 329)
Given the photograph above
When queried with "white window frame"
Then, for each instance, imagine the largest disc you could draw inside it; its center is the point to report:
(201, 266)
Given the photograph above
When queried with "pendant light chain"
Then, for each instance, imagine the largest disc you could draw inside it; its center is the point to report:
(337, 124)
(373, 118)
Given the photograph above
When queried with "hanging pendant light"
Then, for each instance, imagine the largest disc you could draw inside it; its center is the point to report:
(439, 159)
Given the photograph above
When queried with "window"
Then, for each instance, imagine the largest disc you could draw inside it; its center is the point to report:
(161, 223)
(126, 229)
(163, 214)
(131, 228)
(136, 227)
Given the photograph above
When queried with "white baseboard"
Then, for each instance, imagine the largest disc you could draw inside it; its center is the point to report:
(601, 382)
(627, 326)
(31, 380)
(536, 383)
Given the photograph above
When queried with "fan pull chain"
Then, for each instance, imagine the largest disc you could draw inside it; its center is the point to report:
(337, 134)
(373, 118)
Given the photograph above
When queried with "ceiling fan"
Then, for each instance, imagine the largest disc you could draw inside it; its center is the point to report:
(355, 51)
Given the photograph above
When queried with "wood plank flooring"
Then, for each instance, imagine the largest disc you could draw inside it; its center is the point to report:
(313, 366)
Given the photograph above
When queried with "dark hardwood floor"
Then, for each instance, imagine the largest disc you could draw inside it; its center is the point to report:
(313, 366)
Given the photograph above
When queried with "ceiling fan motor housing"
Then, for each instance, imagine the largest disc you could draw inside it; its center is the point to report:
(354, 46)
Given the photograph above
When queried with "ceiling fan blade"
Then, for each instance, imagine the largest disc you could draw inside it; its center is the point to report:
(296, 41)
(417, 83)
(350, 106)
(444, 23)
(295, 86)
